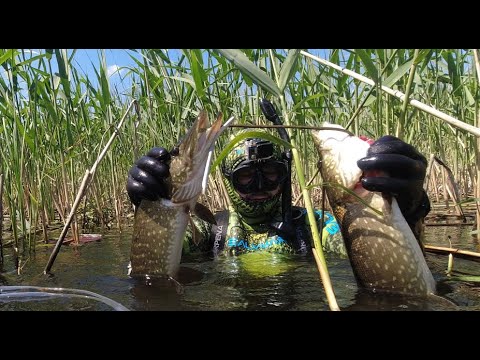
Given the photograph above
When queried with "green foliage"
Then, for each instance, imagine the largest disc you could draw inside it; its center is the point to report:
(54, 119)
(251, 70)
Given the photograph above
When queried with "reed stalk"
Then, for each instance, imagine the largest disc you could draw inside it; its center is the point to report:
(477, 157)
(318, 250)
(398, 94)
(87, 178)
(1, 218)
(401, 120)
(54, 117)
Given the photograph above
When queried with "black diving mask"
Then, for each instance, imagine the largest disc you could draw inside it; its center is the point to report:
(260, 171)
(257, 175)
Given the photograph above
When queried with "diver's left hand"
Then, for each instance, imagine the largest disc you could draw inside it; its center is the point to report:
(402, 172)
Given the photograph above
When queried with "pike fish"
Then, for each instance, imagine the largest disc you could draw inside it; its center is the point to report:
(160, 226)
(382, 249)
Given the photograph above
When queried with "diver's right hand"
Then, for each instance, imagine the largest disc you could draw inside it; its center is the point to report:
(147, 177)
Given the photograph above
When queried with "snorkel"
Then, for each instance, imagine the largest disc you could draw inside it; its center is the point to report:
(285, 227)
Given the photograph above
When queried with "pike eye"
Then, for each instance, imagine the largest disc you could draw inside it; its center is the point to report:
(175, 151)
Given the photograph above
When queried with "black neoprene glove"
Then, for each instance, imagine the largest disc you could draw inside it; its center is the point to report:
(405, 170)
(147, 178)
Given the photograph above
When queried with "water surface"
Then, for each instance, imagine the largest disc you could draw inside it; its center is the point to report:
(256, 281)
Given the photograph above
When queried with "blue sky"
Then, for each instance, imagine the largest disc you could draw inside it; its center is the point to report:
(85, 60)
(117, 58)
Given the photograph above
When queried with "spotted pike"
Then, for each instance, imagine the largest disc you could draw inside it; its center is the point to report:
(160, 226)
(383, 252)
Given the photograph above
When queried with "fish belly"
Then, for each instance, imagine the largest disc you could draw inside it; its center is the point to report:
(158, 233)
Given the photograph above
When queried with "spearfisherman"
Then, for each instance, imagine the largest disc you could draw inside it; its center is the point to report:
(256, 174)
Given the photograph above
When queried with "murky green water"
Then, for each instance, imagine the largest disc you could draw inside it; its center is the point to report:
(248, 282)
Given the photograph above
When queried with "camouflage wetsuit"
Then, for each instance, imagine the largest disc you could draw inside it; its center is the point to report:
(246, 226)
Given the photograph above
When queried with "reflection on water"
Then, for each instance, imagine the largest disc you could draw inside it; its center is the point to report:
(250, 282)
(12, 295)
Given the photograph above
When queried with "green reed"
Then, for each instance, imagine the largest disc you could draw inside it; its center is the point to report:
(55, 119)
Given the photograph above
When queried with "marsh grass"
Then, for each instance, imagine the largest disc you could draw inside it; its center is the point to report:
(55, 120)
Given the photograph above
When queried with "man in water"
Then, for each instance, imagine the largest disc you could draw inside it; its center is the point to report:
(255, 174)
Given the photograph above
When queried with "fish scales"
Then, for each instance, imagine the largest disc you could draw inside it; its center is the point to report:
(157, 222)
(160, 226)
(382, 249)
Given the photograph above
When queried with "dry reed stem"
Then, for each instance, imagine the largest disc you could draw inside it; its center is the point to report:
(89, 174)
(328, 286)
(448, 250)
(398, 94)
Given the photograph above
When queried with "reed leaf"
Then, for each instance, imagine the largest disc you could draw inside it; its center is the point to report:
(453, 73)
(372, 71)
(288, 68)
(424, 55)
(7, 54)
(63, 70)
(251, 70)
(306, 99)
(198, 74)
(397, 74)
